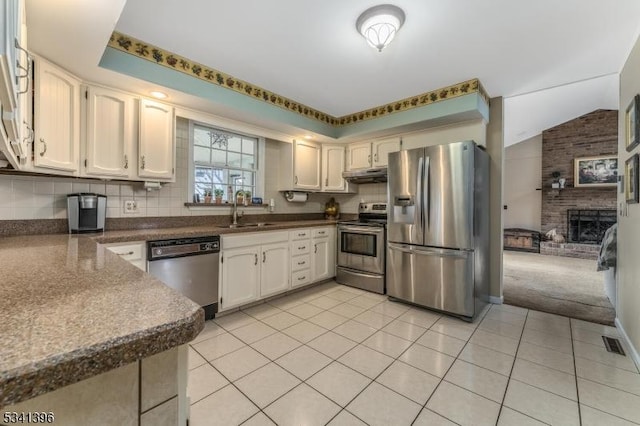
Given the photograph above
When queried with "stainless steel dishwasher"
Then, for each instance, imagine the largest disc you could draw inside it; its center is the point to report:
(190, 266)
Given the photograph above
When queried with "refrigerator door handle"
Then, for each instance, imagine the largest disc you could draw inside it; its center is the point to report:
(405, 248)
(419, 196)
(426, 205)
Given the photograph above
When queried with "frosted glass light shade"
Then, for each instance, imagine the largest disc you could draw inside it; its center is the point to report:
(379, 24)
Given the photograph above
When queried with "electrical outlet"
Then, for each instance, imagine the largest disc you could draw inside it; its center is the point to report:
(131, 206)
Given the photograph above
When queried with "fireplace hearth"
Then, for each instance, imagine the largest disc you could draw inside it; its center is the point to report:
(588, 226)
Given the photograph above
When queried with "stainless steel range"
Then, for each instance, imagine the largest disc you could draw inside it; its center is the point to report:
(362, 247)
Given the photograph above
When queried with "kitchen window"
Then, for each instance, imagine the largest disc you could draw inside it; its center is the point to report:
(224, 161)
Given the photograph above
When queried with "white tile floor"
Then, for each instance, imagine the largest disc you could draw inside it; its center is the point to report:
(340, 356)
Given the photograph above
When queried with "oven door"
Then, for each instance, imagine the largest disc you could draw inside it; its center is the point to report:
(361, 247)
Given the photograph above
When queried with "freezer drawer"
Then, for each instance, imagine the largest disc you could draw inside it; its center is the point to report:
(441, 279)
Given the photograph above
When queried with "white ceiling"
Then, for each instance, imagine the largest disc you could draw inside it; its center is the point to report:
(310, 51)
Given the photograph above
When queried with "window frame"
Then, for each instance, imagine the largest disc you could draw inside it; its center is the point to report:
(259, 153)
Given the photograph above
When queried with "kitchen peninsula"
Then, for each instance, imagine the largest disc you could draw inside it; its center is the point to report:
(78, 324)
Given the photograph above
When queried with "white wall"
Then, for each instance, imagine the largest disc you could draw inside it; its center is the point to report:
(469, 130)
(522, 175)
(628, 271)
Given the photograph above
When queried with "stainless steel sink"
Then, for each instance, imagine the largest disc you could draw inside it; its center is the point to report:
(248, 225)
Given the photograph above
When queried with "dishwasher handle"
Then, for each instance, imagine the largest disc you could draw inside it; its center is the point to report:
(169, 249)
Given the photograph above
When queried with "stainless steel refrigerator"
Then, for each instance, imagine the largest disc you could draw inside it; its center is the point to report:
(438, 228)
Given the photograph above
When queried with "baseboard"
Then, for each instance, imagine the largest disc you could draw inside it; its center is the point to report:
(496, 300)
(634, 352)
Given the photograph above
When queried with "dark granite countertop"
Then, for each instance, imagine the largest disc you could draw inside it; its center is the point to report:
(201, 231)
(70, 310)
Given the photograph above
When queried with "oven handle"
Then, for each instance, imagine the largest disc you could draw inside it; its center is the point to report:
(361, 229)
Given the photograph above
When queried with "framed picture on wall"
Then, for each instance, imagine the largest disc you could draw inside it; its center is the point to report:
(632, 124)
(631, 179)
(595, 171)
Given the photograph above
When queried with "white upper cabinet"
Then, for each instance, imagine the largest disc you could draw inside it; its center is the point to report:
(359, 156)
(380, 151)
(306, 165)
(371, 154)
(157, 146)
(56, 119)
(111, 136)
(332, 168)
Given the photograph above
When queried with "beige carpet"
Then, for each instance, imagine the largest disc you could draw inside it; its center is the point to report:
(555, 284)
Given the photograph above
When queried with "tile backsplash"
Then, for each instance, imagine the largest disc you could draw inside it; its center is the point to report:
(35, 197)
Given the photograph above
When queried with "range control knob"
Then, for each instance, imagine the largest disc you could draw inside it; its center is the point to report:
(158, 252)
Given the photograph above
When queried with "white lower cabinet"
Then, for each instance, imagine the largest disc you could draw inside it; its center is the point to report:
(274, 271)
(133, 252)
(262, 264)
(323, 243)
(301, 273)
(240, 277)
(253, 266)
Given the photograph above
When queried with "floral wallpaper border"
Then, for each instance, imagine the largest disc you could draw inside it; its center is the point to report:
(141, 49)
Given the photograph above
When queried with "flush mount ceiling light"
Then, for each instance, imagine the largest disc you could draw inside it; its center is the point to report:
(379, 24)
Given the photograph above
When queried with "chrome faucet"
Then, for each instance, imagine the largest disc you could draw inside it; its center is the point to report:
(234, 213)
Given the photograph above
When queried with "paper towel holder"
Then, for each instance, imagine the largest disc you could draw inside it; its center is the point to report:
(296, 196)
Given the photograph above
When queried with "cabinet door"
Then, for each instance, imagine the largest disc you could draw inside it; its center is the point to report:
(359, 156)
(110, 132)
(306, 165)
(381, 150)
(274, 273)
(56, 118)
(157, 147)
(332, 168)
(240, 277)
(320, 261)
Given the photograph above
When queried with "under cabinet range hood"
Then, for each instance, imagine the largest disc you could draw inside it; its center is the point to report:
(366, 175)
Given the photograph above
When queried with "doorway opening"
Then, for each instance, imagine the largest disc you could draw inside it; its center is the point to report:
(555, 218)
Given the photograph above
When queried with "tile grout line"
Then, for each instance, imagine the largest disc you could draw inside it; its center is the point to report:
(382, 372)
(513, 366)
(575, 372)
(273, 361)
(424, 406)
(381, 329)
(343, 408)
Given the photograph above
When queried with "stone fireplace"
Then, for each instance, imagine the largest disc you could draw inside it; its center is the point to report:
(588, 226)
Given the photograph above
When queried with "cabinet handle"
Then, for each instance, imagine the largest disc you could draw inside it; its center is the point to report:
(126, 161)
(302, 247)
(295, 180)
(45, 147)
(301, 235)
(26, 69)
(326, 182)
(125, 254)
(255, 262)
(29, 137)
(302, 278)
(375, 157)
(315, 248)
(301, 263)
(142, 166)
(264, 257)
